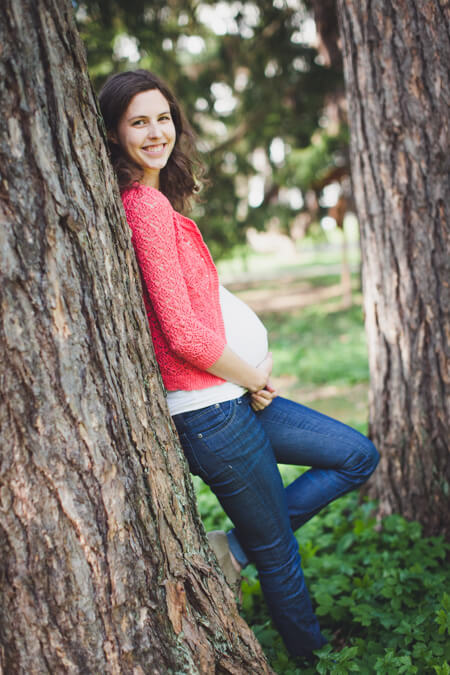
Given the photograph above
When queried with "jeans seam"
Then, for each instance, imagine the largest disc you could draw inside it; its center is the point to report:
(340, 437)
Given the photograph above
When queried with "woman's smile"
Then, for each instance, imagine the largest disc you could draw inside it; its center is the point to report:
(146, 134)
(155, 149)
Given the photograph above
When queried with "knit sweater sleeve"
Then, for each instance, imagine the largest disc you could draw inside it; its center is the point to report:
(151, 219)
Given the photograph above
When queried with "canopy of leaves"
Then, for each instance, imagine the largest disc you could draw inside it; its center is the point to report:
(252, 85)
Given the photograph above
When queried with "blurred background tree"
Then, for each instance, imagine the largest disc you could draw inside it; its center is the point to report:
(263, 92)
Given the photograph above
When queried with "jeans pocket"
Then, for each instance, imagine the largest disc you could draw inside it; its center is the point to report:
(207, 421)
(194, 465)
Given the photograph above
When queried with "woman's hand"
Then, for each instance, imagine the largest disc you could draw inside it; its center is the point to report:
(265, 368)
(262, 398)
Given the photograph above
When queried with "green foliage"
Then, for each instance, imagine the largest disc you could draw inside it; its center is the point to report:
(276, 89)
(319, 346)
(378, 588)
(443, 615)
(307, 166)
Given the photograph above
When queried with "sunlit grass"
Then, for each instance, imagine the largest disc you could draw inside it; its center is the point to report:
(320, 347)
(309, 260)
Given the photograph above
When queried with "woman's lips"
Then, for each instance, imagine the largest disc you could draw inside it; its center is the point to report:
(154, 150)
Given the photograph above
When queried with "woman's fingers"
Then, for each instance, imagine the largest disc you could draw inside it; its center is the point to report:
(266, 365)
(268, 393)
(261, 399)
(271, 388)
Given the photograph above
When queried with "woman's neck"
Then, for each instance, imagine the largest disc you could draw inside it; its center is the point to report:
(150, 179)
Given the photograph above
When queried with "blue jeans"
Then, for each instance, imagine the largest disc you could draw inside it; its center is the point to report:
(235, 451)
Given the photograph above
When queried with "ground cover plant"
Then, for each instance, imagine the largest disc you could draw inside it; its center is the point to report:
(381, 589)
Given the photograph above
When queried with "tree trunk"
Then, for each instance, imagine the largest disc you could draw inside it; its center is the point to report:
(396, 58)
(104, 564)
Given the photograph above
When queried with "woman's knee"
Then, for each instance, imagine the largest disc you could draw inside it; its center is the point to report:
(374, 455)
(364, 460)
(370, 459)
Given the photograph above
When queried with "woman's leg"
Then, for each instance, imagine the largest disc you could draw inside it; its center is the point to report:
(341, 459)
(227, 446)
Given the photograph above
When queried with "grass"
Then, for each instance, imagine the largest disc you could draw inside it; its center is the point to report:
(320, 359)
(320, 347)
(378, 587)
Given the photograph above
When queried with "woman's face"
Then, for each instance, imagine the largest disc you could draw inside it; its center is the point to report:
(146, 133)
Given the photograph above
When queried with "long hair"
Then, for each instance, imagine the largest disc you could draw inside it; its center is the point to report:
(176, 180)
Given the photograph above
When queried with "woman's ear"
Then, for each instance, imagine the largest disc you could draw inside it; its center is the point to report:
(112, 137)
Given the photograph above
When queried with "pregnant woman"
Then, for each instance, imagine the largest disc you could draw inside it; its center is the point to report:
(213, 355)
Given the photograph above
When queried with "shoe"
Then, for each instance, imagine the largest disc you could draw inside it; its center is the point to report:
(218, 541)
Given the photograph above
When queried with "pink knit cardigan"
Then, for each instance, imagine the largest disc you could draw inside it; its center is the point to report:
(181, 289)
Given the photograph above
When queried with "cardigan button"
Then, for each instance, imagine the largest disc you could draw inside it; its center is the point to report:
(199, 435)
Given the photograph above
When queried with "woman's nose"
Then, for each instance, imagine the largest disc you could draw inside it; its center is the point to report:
(153, 130)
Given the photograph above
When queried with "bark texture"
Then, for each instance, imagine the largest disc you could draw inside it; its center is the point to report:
(396, 62)
(104, 564)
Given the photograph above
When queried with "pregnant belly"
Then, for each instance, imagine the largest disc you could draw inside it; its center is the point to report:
(246, 334)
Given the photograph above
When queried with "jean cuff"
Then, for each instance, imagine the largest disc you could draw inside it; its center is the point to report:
(236, 549)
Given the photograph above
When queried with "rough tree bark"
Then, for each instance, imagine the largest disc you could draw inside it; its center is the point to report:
(104, 564)
(396, 60)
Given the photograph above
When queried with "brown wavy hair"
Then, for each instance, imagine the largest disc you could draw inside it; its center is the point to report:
(176, 180)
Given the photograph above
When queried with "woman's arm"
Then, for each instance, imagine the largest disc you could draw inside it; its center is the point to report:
(229, 366)
(150, 217)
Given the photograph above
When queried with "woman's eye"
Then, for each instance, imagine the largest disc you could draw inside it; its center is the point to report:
(138, 123)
